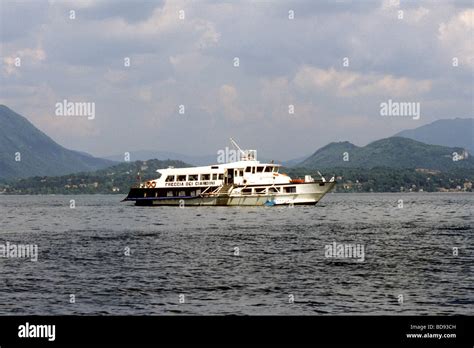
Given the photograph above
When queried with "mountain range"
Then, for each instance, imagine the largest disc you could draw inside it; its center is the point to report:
(144, 155)
(453, 133)
(456, 132)
(394, 152)
(26, 151)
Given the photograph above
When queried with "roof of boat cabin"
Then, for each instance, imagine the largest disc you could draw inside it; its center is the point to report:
(216, 167)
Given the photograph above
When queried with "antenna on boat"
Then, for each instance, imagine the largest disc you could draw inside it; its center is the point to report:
(237, 146)
(247, 155)
(322, 177)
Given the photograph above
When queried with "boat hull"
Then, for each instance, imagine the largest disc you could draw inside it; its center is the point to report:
(306, 194)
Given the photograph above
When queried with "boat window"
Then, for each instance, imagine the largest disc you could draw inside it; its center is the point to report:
(260, 190)
(182, 193)
(169, 178)
(169, 194)
(248, 169)
(247, 191)
(241, 172)
(275, 169)
(259, 169)
(193, 177)
(181, 177)
(215, 167)
(268, 169)
(290, 189)
(253, 170)
(236, 172)
(221, 176)
(214, 176)
(192, 193)
(273, 190)
(205, 176)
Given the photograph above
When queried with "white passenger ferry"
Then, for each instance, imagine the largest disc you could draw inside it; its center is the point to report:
(243, 182)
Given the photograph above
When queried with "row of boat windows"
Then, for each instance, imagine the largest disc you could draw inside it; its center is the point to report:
(215, 176)
(174, 193)
(261, 169)
(194, 177)
(245, 191)
(269, 190)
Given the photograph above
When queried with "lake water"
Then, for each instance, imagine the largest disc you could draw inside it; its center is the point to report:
(239, 260)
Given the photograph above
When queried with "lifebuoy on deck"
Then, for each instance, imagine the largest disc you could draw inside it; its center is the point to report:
(150, 184)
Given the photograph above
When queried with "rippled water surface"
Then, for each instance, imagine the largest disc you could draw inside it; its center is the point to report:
(281, 252)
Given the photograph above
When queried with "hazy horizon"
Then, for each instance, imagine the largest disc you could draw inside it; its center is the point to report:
(137, 62)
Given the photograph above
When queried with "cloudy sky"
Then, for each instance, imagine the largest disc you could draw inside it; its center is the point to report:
(184, 53)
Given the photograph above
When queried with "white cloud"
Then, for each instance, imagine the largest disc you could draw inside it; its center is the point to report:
(228, 98)
(351, 84)
(416, 15)
(73, 4)
(29, 56)
(457, 36)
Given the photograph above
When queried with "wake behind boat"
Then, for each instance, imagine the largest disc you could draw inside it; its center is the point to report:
(243, 182)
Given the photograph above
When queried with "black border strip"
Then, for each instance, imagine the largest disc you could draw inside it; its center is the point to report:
(241, 330)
